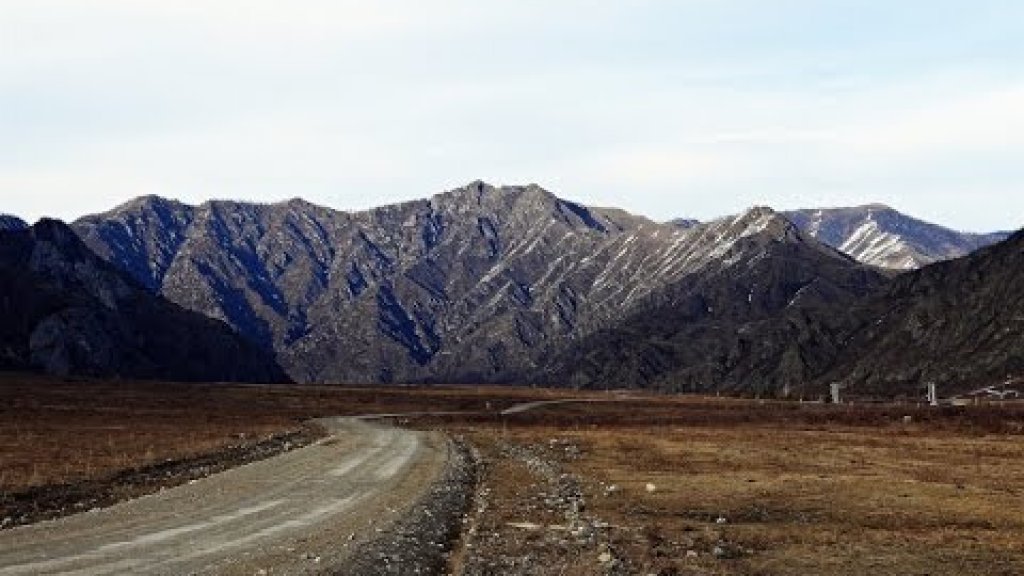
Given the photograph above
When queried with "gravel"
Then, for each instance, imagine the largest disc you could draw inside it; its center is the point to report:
(519, 548)
(420, 543)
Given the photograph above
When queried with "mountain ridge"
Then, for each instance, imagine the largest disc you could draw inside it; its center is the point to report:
(706, 335)
(475, 282)
(957, 324)
(961, 320)
(882, 236)
(514, 284)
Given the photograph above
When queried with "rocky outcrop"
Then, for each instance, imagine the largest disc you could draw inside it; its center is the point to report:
(68, 312)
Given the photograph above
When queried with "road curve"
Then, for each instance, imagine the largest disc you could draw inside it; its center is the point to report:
(530, 406)
(298, 513)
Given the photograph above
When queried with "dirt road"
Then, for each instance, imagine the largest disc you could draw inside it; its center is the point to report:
(298, 513)
(529, 406)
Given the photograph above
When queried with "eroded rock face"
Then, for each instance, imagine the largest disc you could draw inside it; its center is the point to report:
(476, 284)
(66, 311)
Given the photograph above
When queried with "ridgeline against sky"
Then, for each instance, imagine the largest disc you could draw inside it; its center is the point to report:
(688, 108)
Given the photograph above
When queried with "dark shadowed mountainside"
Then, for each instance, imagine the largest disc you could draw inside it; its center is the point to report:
(959, 324)
(66, 311)
(11, 223)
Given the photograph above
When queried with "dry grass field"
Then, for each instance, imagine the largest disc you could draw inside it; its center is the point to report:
(844, 501)
(737, 486)
(71, 445)
(749, 488)
(55, 431)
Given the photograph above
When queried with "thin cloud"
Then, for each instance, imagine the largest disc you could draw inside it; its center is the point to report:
(682, 108)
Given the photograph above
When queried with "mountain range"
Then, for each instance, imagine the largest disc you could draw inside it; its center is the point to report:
(514, 284)
(475, 284)
(66, 311)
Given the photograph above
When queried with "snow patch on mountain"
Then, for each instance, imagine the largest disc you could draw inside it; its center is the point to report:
(880, 236)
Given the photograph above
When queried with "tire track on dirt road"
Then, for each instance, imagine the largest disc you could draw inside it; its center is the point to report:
(302, 512)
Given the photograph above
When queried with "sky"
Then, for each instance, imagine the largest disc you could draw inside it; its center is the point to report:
(684, 108)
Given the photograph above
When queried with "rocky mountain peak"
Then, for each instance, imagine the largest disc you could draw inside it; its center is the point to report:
(149, 203)
(482, 194)
(765, 222)
(761, 220)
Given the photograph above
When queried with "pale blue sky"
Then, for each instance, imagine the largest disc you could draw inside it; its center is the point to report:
(666, 108)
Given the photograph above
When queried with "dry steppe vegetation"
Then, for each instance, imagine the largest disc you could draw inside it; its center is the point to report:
(745, 487)
(61, 430)
(739, 486)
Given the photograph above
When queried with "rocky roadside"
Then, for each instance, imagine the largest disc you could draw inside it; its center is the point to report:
(421, 543)
(54, 501)
(530, 517)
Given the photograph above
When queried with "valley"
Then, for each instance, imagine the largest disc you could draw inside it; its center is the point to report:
(619, 484)
(531, 387)
(472, 288)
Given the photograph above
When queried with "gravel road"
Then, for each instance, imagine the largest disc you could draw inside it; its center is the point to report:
(303, 512)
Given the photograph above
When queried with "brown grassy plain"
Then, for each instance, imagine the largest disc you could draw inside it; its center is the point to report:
(799, 488)
(59, 430)
(779, 489)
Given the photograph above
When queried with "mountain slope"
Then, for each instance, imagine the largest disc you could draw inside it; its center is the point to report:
(11, 223)
(750, 323)
(959, 324)
(476, 284)
(66, 311)
(880, 236)
(513, 284)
